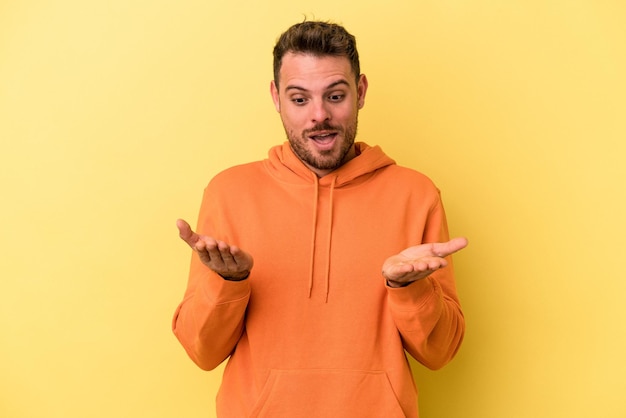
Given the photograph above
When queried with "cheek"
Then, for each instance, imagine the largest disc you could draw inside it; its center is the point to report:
(346, 116)
(347, 111)
(293, 120)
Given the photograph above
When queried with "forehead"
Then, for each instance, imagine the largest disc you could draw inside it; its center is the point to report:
(312, 71)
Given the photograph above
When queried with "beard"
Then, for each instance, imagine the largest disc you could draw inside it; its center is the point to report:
(326, 159)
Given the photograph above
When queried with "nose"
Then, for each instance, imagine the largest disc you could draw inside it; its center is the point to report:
(320, 112)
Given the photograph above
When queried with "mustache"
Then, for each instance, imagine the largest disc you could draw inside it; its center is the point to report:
(324, 126)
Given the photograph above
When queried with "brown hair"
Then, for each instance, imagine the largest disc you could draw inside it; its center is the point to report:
(319, 39)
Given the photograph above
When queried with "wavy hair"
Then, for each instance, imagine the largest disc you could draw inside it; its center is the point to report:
(319, 39)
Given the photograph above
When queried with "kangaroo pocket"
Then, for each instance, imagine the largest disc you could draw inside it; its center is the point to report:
(327, 393)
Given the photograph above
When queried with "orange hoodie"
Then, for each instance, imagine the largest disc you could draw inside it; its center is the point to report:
(314, 331)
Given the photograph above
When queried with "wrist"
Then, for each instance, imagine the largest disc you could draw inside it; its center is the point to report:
(395, 285)
(237, 278)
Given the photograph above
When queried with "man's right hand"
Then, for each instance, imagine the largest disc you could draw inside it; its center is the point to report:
(229, 261)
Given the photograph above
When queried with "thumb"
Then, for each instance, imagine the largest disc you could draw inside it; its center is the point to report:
(185, 232)
(452, 246)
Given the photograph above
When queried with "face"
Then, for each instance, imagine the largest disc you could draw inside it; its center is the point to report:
(319, 101)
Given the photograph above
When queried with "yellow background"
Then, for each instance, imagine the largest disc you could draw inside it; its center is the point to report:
(114, 115)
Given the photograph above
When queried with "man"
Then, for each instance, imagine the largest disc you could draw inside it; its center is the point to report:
(285, 278)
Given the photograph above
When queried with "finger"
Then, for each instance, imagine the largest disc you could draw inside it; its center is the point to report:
(205, 248)
(235, 260)
(459, 243)
(185, 232)
(412, 275)
(226, 256)
(243, 259)
(444, 249)
(211, 247)
(429, 264)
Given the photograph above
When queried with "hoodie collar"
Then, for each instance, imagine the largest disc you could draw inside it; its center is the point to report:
(286, 166)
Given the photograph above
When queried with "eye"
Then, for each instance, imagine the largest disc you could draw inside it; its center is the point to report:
(336, 97)
(298, 100)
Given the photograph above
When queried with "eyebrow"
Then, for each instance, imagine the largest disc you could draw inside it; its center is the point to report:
(329, 87)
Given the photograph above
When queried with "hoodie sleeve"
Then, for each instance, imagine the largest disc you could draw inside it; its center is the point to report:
(427, 313)
(210, 319)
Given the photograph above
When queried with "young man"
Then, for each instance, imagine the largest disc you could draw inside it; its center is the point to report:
(285, 278)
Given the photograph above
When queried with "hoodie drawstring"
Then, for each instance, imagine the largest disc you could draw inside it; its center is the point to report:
(311, 267)
(330, 230)
(328, 237)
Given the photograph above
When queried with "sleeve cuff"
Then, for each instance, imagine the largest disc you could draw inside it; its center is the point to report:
(415, 294)
(220, 290)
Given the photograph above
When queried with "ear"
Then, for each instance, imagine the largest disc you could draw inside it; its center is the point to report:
(275, 97)
(361, 90)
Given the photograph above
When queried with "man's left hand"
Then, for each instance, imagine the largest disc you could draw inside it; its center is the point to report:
(418, 262)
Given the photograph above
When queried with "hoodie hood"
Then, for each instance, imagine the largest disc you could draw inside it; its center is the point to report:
(287, 167)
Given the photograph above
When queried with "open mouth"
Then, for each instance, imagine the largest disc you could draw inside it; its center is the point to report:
(323, 137)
